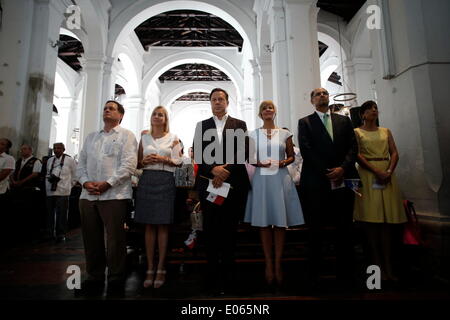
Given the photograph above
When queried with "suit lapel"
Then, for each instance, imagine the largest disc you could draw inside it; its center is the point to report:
(209, 124)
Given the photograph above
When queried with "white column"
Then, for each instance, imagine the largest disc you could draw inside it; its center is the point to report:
(15, 38)
(359, 78)
(280, 67)
(412, 100)
(64, 108)
(266, 79)
(109, 79)
(134, 113)
(91, 119)
(303, 56)
(41, 78)
(73, 129)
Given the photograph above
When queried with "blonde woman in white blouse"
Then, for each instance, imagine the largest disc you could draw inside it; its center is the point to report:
(158, 156)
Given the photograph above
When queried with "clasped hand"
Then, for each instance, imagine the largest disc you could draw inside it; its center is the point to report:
(220, 175)
(271, 163)
(383, 177)
(335, 174)
(153, 159)
(96, 188)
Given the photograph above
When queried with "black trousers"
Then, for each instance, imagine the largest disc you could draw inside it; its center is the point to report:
(57, 213)
(330, 209)
(219, 235)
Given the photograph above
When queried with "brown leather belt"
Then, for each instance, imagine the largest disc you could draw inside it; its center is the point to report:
(377, 159)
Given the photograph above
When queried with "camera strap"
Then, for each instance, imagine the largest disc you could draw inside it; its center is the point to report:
(60, 164)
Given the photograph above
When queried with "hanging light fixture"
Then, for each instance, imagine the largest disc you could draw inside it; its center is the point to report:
(348, 99)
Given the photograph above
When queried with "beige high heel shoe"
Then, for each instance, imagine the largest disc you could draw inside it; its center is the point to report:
(159, 282)
(149, 282)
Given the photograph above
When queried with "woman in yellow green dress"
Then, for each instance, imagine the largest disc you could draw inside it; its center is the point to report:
(380, 208)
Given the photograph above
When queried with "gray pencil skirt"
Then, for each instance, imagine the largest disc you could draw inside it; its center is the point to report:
(155, 197)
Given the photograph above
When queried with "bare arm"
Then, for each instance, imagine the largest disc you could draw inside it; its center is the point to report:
(140, 165)
(289, 153)
(393, 152)
(5, 173)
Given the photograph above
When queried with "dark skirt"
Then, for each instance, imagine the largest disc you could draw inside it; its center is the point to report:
(155, 197)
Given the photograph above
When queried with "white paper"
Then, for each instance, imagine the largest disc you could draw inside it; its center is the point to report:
(222, 191)
(272, 169)
(378, 186)
(335, 186)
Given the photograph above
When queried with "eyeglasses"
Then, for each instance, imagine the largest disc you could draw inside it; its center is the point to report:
(317, 94)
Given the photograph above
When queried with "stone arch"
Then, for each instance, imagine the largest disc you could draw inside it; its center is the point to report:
(338, 54)
(129, 74)
(200, 57)
(330, 36)
(168, 99)
(125, 22)
(92, 22)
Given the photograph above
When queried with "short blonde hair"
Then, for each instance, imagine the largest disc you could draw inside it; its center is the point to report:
(166, 115)
(266, 103)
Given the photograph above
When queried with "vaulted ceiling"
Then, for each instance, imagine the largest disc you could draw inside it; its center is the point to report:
(193, 72)
(343, 8)
(69, 50)
(188, 28)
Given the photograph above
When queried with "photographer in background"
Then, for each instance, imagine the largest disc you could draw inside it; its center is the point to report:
(60, 178)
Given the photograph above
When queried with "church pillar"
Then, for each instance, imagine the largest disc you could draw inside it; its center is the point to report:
(303, 56)
(279, 57)
(91, 113)
(412, 72)
(134, 113)
(295, 58)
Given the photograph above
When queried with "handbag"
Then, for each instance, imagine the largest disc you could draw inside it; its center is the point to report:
(411, 232)
(197, 218)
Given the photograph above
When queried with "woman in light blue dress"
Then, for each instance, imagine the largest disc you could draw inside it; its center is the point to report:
(273, 203)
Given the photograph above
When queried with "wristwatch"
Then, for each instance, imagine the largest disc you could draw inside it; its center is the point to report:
(389, 170)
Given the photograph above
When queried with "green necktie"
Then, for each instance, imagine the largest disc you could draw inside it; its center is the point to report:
(327, 124)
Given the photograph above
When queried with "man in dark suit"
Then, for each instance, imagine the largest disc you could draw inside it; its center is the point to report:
(220, 145)
(329, 149)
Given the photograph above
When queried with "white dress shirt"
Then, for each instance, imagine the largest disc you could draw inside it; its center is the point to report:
(321, 115)
(111, 157)
(296, 167)
(67, 174)
(6, 162)
(163, 146)
(220, 124)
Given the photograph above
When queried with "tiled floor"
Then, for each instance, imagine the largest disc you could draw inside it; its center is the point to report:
(38, 272)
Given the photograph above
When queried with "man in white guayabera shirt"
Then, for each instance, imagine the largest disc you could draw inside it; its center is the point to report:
(106, 163)
(7, 165)
(60, 179)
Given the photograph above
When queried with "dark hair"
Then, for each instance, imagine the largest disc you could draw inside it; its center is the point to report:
(366, 106)
(182, 146)
(119, 106)
(218, 89)
(8, 143)
(59, 144)
(312, 92)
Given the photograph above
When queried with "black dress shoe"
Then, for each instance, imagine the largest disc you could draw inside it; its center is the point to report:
(90, 287)
(116, 287)
(61, 239)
